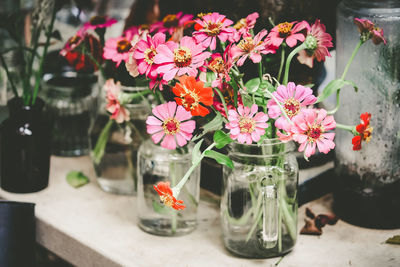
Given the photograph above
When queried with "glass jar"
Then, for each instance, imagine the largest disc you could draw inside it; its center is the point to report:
(368, 181)
(116, 169)
(71, 99)
(156, 164)
(259, 200)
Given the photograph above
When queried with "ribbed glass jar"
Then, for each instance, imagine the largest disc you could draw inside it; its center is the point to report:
(368, 181)
(259, 200)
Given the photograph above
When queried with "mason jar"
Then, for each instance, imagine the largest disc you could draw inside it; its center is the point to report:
(259, 199)
(116, 168)
(158, 164)
(368, 181)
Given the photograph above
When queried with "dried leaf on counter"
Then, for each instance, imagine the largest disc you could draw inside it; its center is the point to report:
(394, 240)
(310, 228)
(309, 213)
(77, 179)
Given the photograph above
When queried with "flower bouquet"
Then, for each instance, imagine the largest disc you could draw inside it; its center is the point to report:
(195, 70)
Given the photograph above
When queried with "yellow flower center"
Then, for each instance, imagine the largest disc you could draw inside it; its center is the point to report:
(182, 57)
(284, 29)
(74, 40)
(171, 126)
(212, 29)
(217, 65)
(123, 46)
(170, 21)
(201, 15)
(246, 125)
(246, 44)
(314, 133)
(240, 24)
(167, 200)
(367, 134)
(292, 107)
(149, 55)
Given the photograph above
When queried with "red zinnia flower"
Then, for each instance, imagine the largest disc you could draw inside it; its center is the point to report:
(364, 130)
(190, 93)
(166, 195)
(368, 30)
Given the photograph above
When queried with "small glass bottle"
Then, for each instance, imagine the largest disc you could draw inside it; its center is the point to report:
(116, 170)
(368, 181)
(259, 200)
(157, 164)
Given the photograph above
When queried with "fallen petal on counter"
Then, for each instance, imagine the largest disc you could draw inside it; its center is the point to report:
(310, 228)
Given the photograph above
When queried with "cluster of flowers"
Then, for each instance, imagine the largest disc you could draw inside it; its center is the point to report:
(198, 60)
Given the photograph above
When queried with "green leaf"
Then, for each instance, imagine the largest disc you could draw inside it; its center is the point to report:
(196, 153)
(333, 87)
(221, 139)
(252, 85)
(235, 91)
(267, 85)
(77, 179)
(213, 125)
(220, 158)
(393, 240)
(309, 85)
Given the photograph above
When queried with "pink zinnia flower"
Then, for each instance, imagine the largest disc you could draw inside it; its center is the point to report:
(246, 125)
(310, 129)
(317, 42)
(286, 31)
(253, 48)
(368, 31)
(179, 59)
(118, 112)
(117, 49)
(244, 25)
(171, 22)
(221, 66)
(144, 53)
(210, 27)
(292, 98)
(173, 122)
(99, 22)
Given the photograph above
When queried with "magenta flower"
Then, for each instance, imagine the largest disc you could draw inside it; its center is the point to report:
(310, 129)
(253, 48)
(317, 42)
(144, 53)
(221, 66)
(173, 122)
(211, 26)
(171, 22)
(286, 31)
(118, 112)
(99, 22)
(246, 125)
(244, 25)
(368, 31)
(117, 49)
(292, 98)
(179, 59)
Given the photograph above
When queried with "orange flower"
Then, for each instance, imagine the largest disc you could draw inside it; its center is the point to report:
(364, 130)
(167, 197)
(190, 93)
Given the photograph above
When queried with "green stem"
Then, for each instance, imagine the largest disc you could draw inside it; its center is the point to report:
(14, 89)
(98, 65)
(222, 100)
(346, 69)
(282, 63)
(260, 71)
(349, 128)
(101, 143)
(177, 189)
(289, 59)
(173, 212)
(49, 33)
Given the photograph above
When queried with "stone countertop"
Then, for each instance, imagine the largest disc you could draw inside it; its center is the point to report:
(88, 227)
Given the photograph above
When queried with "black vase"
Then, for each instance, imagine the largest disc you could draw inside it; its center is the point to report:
(25, 145)
(17, 234)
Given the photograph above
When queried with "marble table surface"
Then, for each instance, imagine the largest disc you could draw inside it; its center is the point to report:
(88, 227)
